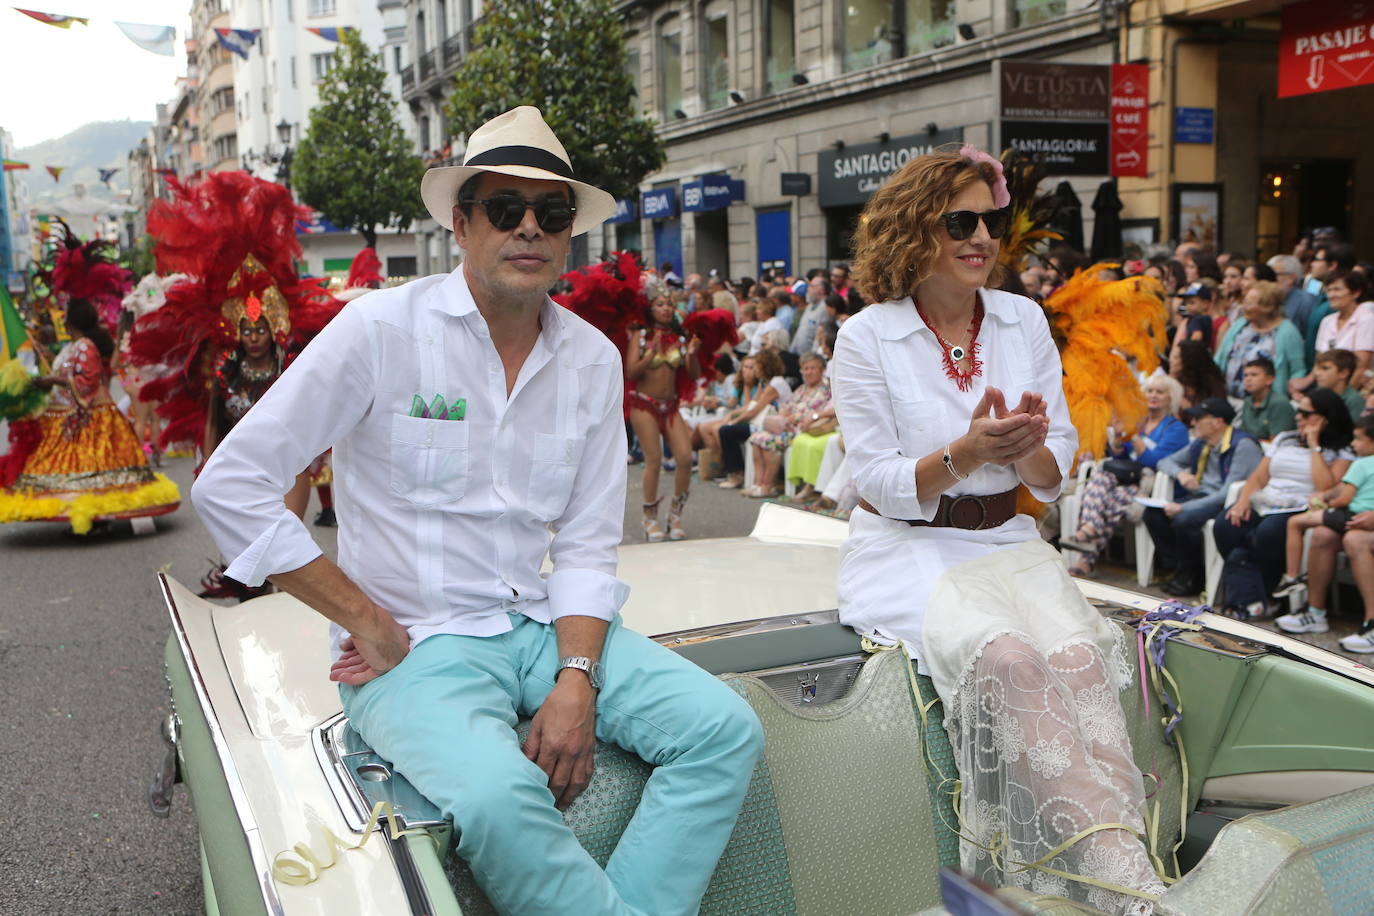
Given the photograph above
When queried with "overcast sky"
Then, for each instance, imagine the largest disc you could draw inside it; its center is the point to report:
(55, 79)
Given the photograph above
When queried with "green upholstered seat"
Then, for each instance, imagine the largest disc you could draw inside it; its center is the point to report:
(1312, 859)
(836, 819)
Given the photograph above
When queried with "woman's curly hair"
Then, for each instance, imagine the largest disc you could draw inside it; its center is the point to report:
(900, 231)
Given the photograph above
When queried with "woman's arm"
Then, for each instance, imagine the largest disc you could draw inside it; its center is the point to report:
(637, 360)
(1325, 476)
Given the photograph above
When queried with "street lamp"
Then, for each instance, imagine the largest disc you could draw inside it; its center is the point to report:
(284, 129)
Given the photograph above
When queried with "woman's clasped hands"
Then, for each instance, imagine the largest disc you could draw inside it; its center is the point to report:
(1002, 437)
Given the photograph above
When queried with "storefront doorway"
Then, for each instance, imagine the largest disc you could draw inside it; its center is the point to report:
(1297, 196)
(668, 243)
(712, 231)
(774, 228)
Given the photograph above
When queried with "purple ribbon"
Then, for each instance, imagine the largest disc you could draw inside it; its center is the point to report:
(1166, 613)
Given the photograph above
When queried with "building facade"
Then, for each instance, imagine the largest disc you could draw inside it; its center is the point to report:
(210, 69)
(16, 245)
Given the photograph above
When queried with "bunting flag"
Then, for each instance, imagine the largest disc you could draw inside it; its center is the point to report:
(107, 174)
(12, 330)
(237, 41)
(166, 173)
(55, 171)
(334, 33)
(13, 164)
(57, 19)
(160, 39)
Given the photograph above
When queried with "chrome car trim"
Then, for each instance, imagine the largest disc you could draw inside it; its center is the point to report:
(237, 794)
(746, 628)
(326, 740)
(412, 882)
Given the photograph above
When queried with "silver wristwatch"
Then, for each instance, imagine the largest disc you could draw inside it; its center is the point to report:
(582, 663)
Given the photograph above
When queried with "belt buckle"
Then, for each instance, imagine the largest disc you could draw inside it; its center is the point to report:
(967, 498)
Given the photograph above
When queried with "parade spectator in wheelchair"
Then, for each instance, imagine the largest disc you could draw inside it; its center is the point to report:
(479, 428)
(1249, 534)
(1218, 456)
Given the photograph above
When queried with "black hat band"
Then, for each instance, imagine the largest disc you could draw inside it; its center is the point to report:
(530, 156)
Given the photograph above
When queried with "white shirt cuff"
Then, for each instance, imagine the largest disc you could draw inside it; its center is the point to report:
(1063, 459)
(585, 593)
(284, 546)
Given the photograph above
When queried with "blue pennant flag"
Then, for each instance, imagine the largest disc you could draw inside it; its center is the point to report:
(237, 41)
(107, 174)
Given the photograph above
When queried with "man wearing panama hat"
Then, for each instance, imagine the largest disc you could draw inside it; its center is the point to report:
(477, 427)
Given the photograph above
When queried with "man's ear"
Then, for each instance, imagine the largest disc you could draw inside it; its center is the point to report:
(460, 226)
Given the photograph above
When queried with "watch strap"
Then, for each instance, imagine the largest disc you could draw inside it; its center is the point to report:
(584, 664)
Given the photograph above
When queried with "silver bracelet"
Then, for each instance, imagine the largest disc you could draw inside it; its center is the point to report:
(949, 465)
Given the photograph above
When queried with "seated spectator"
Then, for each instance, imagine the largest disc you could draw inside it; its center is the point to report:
(802, 411)
(812, 445)
(1329, 517)
(1335, 369)
(1191, 363)
(1249, 534)
(748, 324)
(762, 386)
(1107, 495)
(776, 341)
(1229, 297)
(813, 316)
(1261, 331)
(1349, 326)
(1264, 414)
(720, 295)
(783, 310)
(765, 310)
(1202, 470)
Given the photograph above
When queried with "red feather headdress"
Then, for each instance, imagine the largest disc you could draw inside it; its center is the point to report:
(366, 271)
(87, 270)
(234, 236)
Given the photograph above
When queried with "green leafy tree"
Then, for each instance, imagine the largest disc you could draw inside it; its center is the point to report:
(356, 165)
(567, 58)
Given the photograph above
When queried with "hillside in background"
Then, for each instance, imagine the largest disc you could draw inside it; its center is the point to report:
(83, 152)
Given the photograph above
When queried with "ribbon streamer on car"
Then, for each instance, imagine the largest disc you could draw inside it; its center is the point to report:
(306, 866)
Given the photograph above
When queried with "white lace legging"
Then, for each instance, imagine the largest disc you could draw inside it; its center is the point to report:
(1043, 754)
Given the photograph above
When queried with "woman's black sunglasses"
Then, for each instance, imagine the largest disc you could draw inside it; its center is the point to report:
(960, 224)
(552, 212)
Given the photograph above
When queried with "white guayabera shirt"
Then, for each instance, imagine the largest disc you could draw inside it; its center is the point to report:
(444, 523)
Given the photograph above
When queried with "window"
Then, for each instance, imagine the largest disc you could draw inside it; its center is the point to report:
(420, 32)
(320, 65)
(669, 67)
(290, 10)
(226, 147)
(440, 21)
(396, 55)
(780, 55)
(424, 133)
(632, 63)
(1029, 12)
(322, 7)
(877, 31)
(293, 72)
(715, 61)
(400, 266)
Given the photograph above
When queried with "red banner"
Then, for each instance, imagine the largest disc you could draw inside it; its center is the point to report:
(1325, 45)
(1129, 113)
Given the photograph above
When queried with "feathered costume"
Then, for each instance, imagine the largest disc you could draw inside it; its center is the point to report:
(77, 459)
(234, 237)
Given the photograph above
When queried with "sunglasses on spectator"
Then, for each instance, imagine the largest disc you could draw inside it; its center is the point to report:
(960, 224)
(1305, 413)
(552, 212)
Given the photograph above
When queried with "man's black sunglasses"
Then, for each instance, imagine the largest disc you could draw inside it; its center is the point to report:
(960, 224)
(552, 212)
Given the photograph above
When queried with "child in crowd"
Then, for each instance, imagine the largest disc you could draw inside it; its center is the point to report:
(1263, 414)
(1334, 509)
(1333, 369)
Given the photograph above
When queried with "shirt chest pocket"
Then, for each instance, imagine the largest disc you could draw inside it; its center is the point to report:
(556, 459)
(429, 459)
(919, 425)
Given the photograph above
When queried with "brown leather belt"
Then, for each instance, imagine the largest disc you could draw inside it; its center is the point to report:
(969, 512)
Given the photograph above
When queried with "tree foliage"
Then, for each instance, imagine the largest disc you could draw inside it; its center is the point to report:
(356, 165)
(566, 58)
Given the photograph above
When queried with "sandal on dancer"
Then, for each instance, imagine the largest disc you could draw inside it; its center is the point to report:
(675, 530)
(653, 531)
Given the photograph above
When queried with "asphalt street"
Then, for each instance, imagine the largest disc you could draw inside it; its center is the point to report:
(82, 630)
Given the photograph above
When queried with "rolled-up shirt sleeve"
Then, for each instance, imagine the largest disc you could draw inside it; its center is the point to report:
(885, 477)
(1062, 439)
(239, 494)
(587, 535)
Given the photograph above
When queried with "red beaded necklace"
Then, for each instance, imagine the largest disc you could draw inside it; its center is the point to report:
(954, 354)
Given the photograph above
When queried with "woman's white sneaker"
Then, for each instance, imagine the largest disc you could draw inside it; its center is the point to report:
(1361, 642)
(1307, 621)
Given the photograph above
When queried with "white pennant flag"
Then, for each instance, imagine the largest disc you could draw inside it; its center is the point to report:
(160, 39)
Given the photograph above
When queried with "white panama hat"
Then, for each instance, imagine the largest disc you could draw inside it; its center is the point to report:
(517, 143)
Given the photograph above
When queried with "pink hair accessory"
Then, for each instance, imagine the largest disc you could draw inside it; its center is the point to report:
(1000, 195)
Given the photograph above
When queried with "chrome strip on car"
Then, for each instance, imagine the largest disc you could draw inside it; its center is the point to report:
(237, 795)
(746, 627)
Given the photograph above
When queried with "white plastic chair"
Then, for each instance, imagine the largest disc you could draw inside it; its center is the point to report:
(1144, 544)
(1071, 506)
(755, 425)
(1213, 561)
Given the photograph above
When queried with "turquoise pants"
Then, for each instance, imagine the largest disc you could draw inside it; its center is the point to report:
(445, 718)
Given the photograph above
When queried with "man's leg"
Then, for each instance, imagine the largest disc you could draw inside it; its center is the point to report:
(445, 718)
(1162, 533)
(703, 740)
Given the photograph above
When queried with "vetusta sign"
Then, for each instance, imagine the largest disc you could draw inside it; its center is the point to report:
(1324, 45)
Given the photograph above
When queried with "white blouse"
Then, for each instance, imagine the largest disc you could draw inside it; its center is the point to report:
(895, 406)
(1355, 335)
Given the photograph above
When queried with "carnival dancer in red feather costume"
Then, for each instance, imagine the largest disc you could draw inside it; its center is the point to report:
(77, 459)
(661, 368)
(234, 324)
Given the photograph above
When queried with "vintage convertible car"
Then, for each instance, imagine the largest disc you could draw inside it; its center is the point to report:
(849, 811)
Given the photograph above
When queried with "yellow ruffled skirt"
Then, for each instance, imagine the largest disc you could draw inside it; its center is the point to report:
(87, 465)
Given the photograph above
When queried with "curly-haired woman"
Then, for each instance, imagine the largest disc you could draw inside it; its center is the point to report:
(950, 398)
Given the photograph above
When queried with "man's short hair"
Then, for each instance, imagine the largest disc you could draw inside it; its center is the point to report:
(842, 266)
(817, 271)
(1365, 424)
(1343, 360)
(1339, 255)
(1264, 364)
(1285, 264)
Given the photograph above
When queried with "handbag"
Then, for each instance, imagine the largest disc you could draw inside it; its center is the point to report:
(1126, 471)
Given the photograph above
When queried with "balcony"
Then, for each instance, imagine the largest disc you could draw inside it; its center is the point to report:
(427, 66)
(453, 51)
(408, 78)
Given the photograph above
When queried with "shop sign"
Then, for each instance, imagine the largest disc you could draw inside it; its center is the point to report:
(797, 184)
(849, 176)
(1034, 90)
(1194, 125)
(1130, 108)
(624, 211)
(710, 192)
(1325, 45)
(1065, 148)
(660, 203)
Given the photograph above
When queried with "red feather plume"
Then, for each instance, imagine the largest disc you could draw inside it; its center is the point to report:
(366, 271)
(87, 270)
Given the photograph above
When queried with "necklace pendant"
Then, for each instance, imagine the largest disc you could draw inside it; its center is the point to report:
(956, 353)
